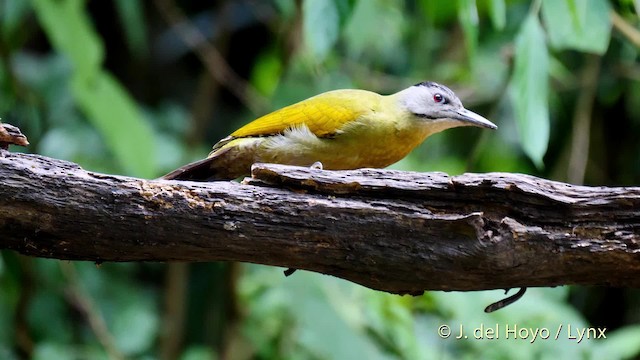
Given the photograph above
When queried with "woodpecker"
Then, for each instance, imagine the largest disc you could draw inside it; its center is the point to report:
(341, 129)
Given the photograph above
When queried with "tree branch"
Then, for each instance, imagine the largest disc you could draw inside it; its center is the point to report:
(401, 232)
(627, 30)
(10, 134)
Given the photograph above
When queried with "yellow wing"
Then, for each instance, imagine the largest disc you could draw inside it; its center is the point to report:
(323, 114)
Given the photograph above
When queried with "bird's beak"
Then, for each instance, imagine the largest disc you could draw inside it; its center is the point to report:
(472, 118)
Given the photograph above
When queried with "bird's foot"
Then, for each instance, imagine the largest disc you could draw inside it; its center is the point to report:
(316, 166)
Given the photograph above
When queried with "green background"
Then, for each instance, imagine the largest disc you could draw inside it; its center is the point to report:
(141, 87)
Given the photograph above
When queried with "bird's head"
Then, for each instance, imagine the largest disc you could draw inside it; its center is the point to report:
(440, 107)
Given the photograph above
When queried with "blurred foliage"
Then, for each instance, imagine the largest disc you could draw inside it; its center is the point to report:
(115, 86)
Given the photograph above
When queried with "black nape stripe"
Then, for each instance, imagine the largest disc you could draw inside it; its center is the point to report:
(444, 89)
(427, 116)
(427, 84)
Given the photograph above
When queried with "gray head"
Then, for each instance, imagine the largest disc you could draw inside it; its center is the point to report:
(437, 103)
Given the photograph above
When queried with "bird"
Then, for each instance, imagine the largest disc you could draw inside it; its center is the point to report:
(339, 130)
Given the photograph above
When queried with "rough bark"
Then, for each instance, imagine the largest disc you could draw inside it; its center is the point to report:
(401, 232)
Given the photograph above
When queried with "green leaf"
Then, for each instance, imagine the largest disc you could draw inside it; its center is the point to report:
(116, 116)
(103, 100)
(620, 344)
(12, 14)
(583, 25)
(468, 16)
(365, 41)
(135, 326)
(576, 12)
(132, 17)
(70, 31)
(320, 27)
(320, 311)
(266, 73)
(438, 12)
(529, 87)
(286, 7)
(52, 351)
(325, 311)
(198, 352)
(498, 13)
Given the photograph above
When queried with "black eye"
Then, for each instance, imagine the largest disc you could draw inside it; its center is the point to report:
(438, 98)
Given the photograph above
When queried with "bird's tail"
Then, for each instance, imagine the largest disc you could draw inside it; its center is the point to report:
(227, 163)
(201, 170)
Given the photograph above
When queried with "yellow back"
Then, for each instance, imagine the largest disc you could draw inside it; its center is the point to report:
(323, 114)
